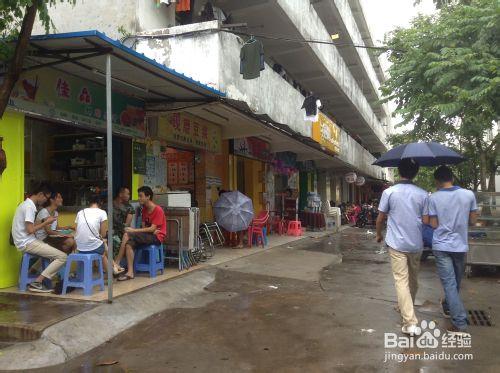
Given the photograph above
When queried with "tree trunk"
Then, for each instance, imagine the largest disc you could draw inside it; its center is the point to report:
(15, 66)
(483, 173)
(492, 181)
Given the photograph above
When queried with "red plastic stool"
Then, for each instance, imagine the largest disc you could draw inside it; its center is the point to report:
(294, 228)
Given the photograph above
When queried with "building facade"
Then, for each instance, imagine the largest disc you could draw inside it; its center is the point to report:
(206, 47)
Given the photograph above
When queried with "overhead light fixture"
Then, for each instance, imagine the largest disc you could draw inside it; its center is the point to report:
(100, 73)
(334, 36)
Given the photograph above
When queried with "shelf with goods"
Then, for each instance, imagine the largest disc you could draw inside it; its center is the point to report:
(77, 163)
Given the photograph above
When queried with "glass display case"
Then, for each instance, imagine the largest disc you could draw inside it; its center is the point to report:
(484, 236)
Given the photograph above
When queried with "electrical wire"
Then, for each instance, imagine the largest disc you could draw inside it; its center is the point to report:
(304, 41)
(268, 37)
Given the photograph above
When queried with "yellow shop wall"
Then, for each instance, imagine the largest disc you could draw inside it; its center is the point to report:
(11, 193)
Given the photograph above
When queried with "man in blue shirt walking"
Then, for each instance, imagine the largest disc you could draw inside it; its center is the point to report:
(451, 209)
(405, 205)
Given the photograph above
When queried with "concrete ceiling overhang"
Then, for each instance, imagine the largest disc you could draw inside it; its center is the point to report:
(331, 18)
(301, 62)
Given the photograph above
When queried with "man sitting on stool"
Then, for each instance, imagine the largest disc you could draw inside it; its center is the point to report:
(23, 234)
(153, 231)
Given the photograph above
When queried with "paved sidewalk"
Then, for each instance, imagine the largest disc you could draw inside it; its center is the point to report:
(71, 337)
(142, 280)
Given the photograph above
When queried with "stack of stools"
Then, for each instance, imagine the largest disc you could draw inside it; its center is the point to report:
(294, 228)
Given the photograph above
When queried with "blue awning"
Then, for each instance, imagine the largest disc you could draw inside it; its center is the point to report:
(83, 54)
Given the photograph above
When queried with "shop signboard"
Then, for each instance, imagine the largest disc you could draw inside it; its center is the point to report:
(252, 147)
(60, 96)
(184, 129)
(327, 133)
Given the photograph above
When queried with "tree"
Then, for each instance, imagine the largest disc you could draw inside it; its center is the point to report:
(444, 81)
(16, 24)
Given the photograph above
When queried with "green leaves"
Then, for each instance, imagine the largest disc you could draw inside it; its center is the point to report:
(11, 17)
(444, 77)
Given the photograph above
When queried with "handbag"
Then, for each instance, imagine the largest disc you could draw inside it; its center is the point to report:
(90, 229)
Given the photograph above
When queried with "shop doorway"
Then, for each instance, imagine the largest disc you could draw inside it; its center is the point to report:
(72, 159)
(240, 177)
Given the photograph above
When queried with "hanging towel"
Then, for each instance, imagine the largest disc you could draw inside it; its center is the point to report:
(252, 59)
(166, 2)
(183, 6)
(312, 105)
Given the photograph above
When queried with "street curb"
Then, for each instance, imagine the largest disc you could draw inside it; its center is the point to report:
(80, 334)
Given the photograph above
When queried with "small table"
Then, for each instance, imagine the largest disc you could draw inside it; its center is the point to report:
(313, 220)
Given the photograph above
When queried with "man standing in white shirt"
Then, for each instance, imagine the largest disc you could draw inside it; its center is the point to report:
(23, 234)
(406, 207)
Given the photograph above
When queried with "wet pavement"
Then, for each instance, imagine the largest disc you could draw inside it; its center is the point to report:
(320, 315)
(24, 317)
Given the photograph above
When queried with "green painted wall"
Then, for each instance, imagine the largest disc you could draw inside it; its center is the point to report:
(11, 193)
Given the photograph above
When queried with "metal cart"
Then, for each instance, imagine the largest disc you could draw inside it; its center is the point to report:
(182, 242)
(484, 238)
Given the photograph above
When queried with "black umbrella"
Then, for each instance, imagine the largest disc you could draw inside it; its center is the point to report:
(425, 153)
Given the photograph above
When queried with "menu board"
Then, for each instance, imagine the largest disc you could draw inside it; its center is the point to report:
(139, 157)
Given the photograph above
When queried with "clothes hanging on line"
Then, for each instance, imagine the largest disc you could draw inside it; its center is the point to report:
(183, 6)
(166, 2)
(210, 13)
(312, 104)
(252, 59)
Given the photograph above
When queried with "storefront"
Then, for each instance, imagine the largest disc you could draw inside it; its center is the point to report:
(193, 155)
(56, 124)
(286, 183)
(250, 157)
(327, 134)
(64, 135)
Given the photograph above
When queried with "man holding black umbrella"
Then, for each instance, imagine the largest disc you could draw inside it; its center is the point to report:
(406, 207)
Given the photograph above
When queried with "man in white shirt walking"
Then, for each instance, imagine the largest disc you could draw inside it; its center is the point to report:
(451, 210)
(23, 234)
(406, 207)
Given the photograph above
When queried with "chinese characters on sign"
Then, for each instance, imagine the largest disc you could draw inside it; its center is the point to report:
(184, 129)
(56, 95)
(327, 133)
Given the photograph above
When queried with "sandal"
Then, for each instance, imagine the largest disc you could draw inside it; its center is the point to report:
(125, 278)
(118, 271)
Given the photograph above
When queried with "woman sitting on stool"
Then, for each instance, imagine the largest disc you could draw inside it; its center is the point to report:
(91, 227)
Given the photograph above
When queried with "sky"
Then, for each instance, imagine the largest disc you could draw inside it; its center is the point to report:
(383, 16)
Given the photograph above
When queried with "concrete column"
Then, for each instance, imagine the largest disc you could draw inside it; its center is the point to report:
(323, 189)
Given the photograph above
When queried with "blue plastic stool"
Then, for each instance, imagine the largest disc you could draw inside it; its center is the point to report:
(84, 276)
(24, 273)
(149, 259)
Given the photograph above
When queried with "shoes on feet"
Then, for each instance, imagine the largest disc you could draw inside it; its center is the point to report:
(38, 287)
(453, 330)
(410, 329)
